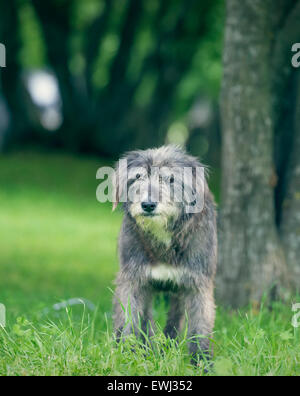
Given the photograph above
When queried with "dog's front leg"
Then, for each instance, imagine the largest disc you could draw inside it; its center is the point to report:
(132, 309)
(200, 311)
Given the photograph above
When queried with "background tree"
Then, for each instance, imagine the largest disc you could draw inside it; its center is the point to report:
(260, 237)
(125, 70)
(12, 85)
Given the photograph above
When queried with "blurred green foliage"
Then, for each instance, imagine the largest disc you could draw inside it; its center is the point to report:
(126, 71)
(203, 78)
(33, 52)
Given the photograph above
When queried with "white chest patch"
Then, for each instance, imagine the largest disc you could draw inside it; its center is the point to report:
(165, 272)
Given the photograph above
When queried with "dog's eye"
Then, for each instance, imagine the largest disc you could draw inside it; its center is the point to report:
(172, 179)
(137, 176)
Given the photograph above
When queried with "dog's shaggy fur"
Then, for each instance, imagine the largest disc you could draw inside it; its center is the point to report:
(171, 251)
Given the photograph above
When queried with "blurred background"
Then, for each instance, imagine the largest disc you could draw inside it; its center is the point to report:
(101, 77)
(86, 80)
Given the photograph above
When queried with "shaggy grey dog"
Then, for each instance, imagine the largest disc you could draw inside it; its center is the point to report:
(163, 247)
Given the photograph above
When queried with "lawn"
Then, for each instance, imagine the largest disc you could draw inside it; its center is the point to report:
(58, 243)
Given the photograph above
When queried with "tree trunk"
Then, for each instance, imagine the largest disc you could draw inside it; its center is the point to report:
(251, 258)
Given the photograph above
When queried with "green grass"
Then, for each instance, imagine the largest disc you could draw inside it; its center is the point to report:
(58, 243)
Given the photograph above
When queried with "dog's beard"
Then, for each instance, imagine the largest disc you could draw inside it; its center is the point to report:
(158, 224)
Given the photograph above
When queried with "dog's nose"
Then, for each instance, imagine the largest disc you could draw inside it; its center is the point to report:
(149, 206)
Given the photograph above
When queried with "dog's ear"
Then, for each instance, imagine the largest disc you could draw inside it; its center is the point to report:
(119, 182)
(195, 186)
(200, 186)
(133, 159)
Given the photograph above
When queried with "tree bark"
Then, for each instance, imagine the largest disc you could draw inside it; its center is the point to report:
(251, 258)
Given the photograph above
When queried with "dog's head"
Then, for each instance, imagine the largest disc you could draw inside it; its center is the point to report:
(160, 185)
